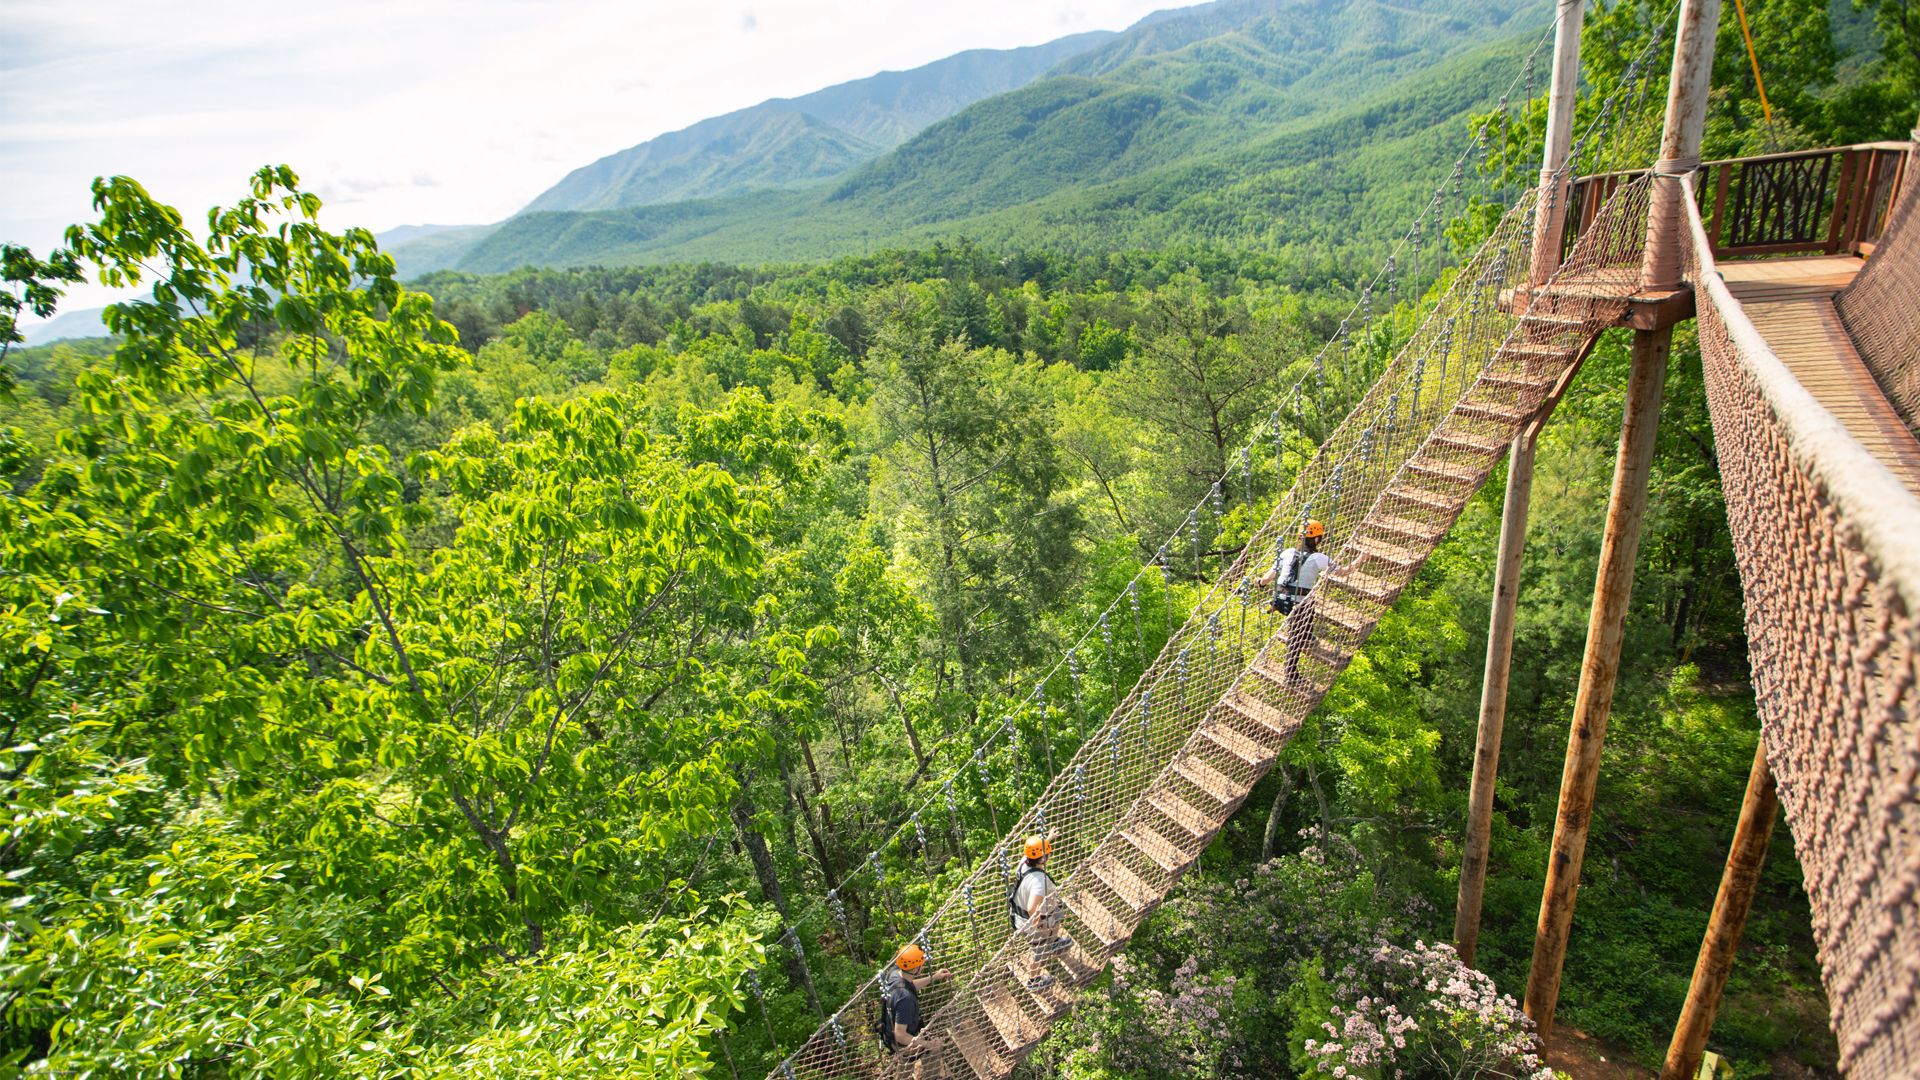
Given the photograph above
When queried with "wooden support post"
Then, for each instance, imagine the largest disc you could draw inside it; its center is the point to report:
(1613, 586)
(1737, 886)
(1549, 229)
(1549, 225)
(1493, 698)
(1679, 142)
(1599, 671)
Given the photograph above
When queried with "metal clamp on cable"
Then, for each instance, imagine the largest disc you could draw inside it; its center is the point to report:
(1676, 168)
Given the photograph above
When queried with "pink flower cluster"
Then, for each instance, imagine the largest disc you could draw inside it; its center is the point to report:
(1190, 1023)
(1419, 1013)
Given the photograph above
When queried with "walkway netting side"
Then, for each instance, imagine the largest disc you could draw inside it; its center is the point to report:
(1881, 309)
(1388, 484)
(1828, 543)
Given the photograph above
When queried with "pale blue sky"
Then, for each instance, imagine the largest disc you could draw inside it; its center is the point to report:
(411, 111)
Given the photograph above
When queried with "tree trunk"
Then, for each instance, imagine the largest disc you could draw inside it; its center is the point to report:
(814, 835)
(1320, 796)
(1682, 612)
(764, 869)
(906, 722)
(1272, 838)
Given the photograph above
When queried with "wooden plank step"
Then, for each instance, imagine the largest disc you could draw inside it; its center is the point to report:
(1051, 1001)
(1305, 687)
(1330, 653)
(1573, 301)
(1420, 497)
(1075, 961)
(986, 1062)
(1381, 551)
(1450, 471)
(1349, 619)
(1367, 586)
(1471, 441)
(1517, 382)
(1124, 883)
(1236, 745)
(1190, 819)
(1273, 723)
(1094, 915)
(1158, 849)
(1492, 410)
(1018, 1032)
(1217, 785)
(1547, 323)
(1528, 351)
(1424, 531)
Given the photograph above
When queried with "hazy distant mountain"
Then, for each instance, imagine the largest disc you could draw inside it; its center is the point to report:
(65, 326)
(420, 248)
(789, 141)
(1246, 121)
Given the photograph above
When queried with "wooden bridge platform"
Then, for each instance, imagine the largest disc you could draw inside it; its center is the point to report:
(1791, 303)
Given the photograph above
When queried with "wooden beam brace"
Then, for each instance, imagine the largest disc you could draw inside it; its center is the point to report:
(1741, 879)
(1599, 672)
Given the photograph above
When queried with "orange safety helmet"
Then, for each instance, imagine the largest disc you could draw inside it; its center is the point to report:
(911, 958)
(1313, 530)
(1038, 847)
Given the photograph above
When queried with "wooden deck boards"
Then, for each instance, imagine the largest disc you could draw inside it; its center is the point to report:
(1791, 303)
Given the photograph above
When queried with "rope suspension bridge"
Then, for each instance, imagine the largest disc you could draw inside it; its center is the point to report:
(1814, 391)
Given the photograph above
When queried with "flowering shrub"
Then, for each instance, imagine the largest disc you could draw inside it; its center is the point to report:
(1291, 970)
(1186, 1029)
(1416, 1014)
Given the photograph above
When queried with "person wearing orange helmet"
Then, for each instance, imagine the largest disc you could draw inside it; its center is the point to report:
(1035, 916)
(1295, 571)
(900, 989)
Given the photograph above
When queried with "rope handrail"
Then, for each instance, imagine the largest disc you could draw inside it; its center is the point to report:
(1780, 155)
(1867, 493)
(1824, 536)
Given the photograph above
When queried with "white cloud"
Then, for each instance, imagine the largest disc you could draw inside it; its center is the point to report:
(374, 102)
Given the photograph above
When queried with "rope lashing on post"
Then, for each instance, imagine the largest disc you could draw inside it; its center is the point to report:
(1079, 706)
(1193, 538)
(1146, 714)
(839, 911)
(1133, 604)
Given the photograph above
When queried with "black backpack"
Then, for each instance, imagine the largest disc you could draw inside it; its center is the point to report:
(883, 1016)
(1014, 911)
(1283, 599)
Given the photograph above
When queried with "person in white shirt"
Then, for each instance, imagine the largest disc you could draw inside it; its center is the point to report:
(1034, 917)
(1295, 571)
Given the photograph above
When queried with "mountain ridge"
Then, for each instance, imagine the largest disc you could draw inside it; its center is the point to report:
(786, 141)
(1103, 149)
(1362, 167)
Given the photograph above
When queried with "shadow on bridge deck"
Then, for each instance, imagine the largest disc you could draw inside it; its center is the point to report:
(1791, 303)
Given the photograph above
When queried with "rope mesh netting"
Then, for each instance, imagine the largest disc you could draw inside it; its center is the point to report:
(1825, 539)
(1147, 791)
(1147, 788)
(1881, 308)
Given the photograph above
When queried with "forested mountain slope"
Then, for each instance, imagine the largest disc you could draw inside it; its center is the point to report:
(786, 141)
(1216, 121)
(1351, 173)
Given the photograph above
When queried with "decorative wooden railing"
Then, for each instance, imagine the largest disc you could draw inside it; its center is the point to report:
(1805, 202)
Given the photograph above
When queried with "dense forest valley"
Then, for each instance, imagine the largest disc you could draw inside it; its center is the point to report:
(602, 670)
